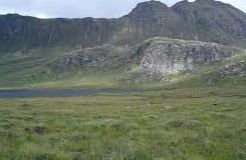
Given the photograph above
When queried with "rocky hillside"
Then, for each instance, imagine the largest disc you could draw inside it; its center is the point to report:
(161, 55)
(155, 56)
(212, 20)
(203, 20)
(153, 59)
(101, 58)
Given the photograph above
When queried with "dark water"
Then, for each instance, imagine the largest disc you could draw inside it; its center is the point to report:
(25, 93)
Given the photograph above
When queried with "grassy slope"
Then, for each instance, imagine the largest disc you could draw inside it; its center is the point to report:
(32, 70)
(194, 124)
(21, 68)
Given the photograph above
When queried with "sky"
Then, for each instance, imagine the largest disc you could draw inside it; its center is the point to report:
(82, 8)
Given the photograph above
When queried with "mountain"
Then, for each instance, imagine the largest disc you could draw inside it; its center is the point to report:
(213, 20)
(23, 33)
(190, 43)
(203, 20)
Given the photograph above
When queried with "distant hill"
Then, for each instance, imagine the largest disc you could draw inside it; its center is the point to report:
(203, 20)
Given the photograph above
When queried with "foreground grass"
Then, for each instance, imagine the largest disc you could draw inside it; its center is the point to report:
(195, 124)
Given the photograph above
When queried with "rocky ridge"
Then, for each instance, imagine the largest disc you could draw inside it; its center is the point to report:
(203, 20)
(155, 57)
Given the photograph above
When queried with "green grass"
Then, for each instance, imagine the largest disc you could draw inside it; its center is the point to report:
(34, 69)
(22, 68)
(192, 124)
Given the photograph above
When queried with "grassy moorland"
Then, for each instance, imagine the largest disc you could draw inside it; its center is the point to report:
(192, 124)
(198, 116)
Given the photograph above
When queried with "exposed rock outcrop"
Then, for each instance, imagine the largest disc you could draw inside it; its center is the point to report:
(103, 58)
(171, 56)
(237, 69)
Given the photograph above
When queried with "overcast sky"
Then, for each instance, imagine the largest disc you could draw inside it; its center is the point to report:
(81, 8)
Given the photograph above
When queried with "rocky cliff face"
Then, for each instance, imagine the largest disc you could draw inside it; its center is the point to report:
(166, 56)
(204, 20)
(212, 21)
(22, 33)
(151, 19)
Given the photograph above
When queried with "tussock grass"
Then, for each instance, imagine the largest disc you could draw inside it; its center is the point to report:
(198, 124)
